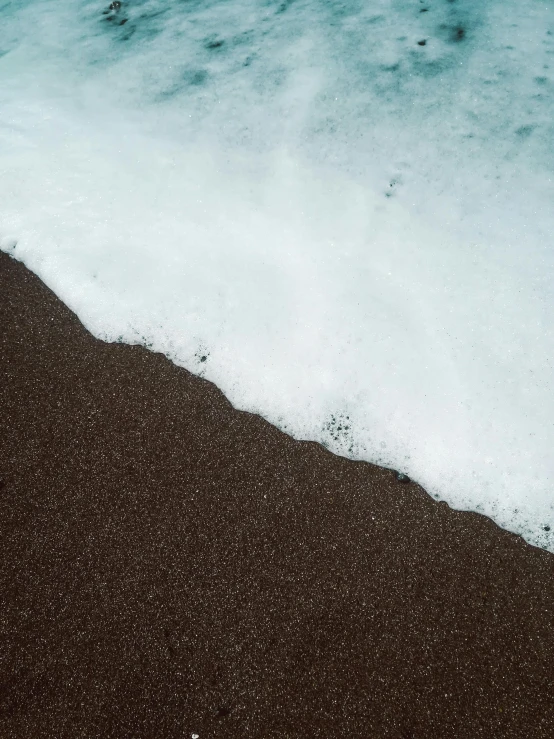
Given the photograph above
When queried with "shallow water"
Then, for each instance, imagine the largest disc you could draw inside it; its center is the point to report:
(340, 214)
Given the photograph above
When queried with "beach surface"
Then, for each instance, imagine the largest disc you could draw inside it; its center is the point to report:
(173, 567)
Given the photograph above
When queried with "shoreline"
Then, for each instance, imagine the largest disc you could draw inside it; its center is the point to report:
(173, 566)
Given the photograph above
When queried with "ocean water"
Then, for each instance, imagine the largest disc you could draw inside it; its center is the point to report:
(342, 213)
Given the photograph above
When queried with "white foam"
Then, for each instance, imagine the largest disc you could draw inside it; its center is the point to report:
(348, 232)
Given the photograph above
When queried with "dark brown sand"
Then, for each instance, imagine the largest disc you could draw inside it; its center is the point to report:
(171, 566)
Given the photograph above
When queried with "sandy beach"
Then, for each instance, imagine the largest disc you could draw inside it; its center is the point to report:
(174, 567)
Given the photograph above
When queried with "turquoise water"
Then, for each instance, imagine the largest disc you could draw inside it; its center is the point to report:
(345, 209)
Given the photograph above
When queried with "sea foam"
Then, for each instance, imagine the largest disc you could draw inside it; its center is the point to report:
(341, 215)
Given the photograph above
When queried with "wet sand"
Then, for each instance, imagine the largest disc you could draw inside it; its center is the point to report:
(171, 566)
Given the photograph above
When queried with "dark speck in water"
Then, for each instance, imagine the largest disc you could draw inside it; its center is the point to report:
(524, 131)
(458, 34)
